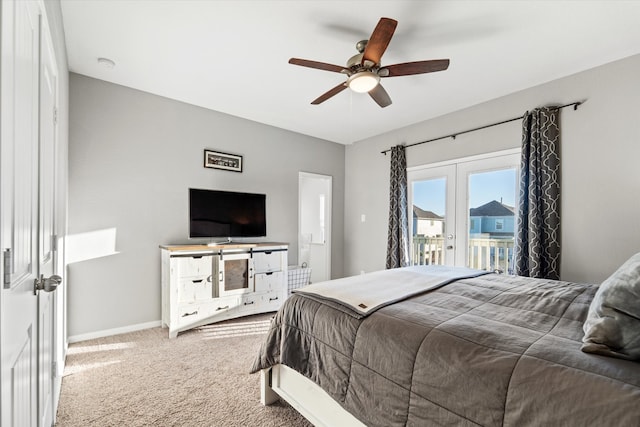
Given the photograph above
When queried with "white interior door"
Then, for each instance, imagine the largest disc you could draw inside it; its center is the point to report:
(27, 191)
(46, 227)
(19, 192)
(314, 224)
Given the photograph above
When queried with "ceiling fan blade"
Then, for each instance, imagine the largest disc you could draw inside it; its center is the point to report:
(380, 96)
(336, 90)
(418, 67)
(379, 40)
(317, 65)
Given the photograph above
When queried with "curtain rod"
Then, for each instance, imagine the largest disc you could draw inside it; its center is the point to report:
(453, 135)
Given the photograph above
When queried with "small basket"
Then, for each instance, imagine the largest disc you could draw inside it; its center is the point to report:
(298, 276)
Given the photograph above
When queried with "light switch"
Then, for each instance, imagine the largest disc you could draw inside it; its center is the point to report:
(363, 218)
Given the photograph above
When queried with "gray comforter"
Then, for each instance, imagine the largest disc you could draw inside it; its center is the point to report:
(494, 350)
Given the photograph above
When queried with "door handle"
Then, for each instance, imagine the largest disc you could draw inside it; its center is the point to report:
(450, 237)
(48, 285)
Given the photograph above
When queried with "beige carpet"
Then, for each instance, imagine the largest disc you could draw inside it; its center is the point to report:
(144, 379)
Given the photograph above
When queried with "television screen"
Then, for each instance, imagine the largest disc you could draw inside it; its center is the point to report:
(214, 213)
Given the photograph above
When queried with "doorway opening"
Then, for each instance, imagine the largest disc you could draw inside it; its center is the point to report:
(314, 224)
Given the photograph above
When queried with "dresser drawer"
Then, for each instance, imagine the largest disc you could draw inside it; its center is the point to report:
(271, 301)
(189, 313)
(193, 266)
(249, 303)
(265, 282)
(195, 289)
(220, 306)
(268, 261)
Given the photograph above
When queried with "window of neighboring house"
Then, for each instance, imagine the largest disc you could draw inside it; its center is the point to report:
(499, 224)
(472, 226)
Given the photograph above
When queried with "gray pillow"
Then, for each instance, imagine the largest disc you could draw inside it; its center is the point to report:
(612, 327)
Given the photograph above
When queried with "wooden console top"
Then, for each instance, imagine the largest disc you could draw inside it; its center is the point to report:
(221, 246)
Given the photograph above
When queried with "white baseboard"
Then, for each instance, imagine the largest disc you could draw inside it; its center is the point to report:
(115, 331)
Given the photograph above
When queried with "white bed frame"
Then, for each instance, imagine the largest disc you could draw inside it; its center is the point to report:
(304, 396)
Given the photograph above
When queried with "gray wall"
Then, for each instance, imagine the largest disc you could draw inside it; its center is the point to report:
(600, 145)
(132, 157)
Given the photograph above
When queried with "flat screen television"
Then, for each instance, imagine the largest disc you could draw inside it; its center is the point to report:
(226, 214)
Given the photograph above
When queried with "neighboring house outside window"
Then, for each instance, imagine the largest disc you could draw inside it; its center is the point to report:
(427, 223)
(492, 220)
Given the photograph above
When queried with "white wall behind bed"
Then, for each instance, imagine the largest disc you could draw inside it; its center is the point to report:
(600, 170)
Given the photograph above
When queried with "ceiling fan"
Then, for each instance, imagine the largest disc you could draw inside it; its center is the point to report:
(364, 70)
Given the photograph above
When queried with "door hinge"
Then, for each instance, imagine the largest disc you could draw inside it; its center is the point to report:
(54, 242)
(55, 115)
(6, 262)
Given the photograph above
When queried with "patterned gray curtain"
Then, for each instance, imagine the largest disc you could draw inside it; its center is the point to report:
(538, 234)
(398, 240)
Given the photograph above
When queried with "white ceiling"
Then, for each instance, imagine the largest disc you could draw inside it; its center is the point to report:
(231, 56)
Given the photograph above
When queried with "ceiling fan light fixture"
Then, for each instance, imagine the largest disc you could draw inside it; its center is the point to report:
(364, 70)
(363, 81)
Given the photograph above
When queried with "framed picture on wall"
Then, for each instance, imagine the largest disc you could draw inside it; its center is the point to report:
(226, 161)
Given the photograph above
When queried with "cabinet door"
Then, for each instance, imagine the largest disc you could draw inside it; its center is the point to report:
(235, 274)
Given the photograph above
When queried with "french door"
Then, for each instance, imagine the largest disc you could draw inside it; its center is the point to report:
(464, 211)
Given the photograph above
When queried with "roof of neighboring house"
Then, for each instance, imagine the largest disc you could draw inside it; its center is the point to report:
(493, 208)
(422, 214)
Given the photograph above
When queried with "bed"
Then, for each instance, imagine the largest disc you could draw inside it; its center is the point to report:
(489, 350)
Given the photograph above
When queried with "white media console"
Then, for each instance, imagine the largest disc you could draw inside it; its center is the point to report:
(204, 284)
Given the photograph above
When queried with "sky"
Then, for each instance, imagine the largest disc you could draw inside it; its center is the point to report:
(483, 188)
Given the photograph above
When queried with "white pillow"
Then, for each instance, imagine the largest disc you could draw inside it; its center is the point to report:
(612, 327)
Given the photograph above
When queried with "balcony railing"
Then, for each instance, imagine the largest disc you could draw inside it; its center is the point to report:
(484, 253)
(428, 250)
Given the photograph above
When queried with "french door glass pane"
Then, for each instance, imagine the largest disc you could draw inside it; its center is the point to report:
(491, 220)
(429, 225)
